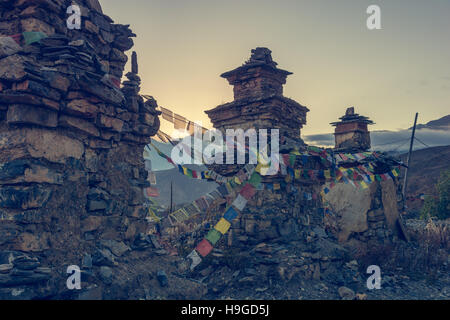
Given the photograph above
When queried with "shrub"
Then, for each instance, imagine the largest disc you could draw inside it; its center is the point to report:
(439, 207)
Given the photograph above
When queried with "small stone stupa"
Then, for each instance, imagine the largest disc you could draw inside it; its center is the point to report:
(351, 133)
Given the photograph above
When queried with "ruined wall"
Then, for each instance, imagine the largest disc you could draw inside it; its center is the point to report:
(71, 142)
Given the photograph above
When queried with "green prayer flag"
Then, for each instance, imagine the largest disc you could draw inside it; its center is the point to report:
(213, 236)
(255, 179)
(291, 160)
(32, 36)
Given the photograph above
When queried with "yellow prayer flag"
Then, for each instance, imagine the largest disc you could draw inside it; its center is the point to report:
(222, 226)
(276, 186)
(395, 173)
(153, 216)
(297, 173)
(327, 174)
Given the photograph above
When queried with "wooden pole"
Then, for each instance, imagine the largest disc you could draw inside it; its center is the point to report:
(171, 197)
(408, 161)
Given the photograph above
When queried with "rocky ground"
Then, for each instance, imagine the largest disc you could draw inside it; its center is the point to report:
(294, 270)
(317, 268)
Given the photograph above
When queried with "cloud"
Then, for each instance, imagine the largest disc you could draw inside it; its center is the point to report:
(325, 139)
(392, 140)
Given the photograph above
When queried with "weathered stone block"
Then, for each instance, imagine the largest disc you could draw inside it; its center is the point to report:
(96, 205)
(110, 123)
(21, 171)
(8, 47)
(118, 248)
(26, 114)
(12, 68)
(109, 95)
(12, 169)
(57, 81)
(38, 89)
(8, 231)
(79, 124)
(30, 99)
(99, 144)
(91, 223)
(32, 24)
(81, 108)
(24, 197)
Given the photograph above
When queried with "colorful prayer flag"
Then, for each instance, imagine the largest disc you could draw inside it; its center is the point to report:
(204, 248)
(230, 214)
(255, 179)
(213, 236)
(195, 258)
(240, 202)
(222, 226)
(152, 192)
(248, 191)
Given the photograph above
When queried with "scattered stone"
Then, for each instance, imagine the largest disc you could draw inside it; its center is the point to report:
(162, 278)
(346, 293)
(361, 296)
(93, 292)
(106, 274)
(87, 261)
(103, 257)
(118, 248)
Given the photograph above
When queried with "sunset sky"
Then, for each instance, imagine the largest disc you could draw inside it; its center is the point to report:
(184, 45)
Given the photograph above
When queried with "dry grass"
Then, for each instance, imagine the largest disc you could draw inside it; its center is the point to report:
(423, 257)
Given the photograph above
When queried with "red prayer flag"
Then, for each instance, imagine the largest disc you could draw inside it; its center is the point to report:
(248, 191)
(152, 192)
(204, 248)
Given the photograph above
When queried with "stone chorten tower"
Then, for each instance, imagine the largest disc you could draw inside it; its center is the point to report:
(258, 99)
(351, 133)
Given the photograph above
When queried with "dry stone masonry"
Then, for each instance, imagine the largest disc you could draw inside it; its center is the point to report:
(71, 142)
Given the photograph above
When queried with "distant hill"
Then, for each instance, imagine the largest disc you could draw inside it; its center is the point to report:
(439, 124)
(425, 169)
(185, 189)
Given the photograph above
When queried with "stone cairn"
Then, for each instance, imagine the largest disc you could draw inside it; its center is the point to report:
(71, 142)
(351, 133)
